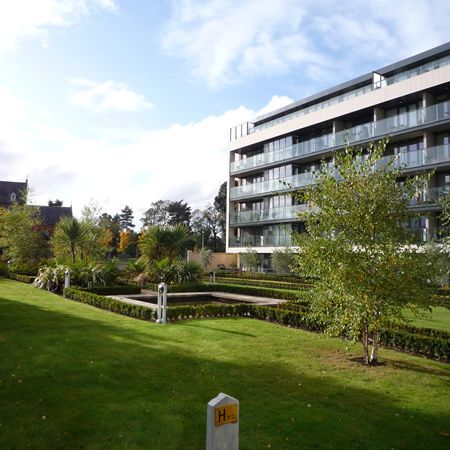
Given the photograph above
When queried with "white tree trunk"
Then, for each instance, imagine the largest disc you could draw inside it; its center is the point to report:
(374, 352)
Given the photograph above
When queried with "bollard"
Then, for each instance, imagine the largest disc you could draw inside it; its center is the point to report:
(222, 423)
(67, 278)
(161, 311)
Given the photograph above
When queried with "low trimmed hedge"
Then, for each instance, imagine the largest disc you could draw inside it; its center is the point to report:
(441, 300)
(427, 342)
(430, 346)
(261, 276)
(22, 278)
(260, 283)
(110, 304)
(119, 289)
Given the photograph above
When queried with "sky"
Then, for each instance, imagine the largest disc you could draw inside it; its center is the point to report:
(125, 102)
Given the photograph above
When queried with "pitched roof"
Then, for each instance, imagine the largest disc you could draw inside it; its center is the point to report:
(11, 191)
(50, 215)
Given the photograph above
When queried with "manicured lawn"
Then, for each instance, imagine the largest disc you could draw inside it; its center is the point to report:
(72, 377)
(439, 318)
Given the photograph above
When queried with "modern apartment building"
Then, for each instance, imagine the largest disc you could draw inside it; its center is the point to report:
(283, 150)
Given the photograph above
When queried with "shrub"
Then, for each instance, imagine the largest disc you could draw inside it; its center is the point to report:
(22, 278)
(119, 289)
(110, 304)
(4, 269)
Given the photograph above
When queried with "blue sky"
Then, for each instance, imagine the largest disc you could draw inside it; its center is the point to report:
(127, 102)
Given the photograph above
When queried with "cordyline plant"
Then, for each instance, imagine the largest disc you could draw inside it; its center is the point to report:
(367, 268)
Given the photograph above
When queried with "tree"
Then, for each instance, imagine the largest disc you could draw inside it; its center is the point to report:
(55, 203)
(179, 213)
(20, 235)
(126, 218)
(206, 225)
(157, 214)
(169, 241)
(220, 204)
(366, 270)
(70, 237)
(110, 226)
(249, 259)
(283, 260)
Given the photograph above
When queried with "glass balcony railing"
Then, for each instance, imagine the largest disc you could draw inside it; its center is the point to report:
(285, 213)
(249, 128)
(422, 235)
(280, 184)
(408, 160)
(430, 196)
(413, 235)
(261, 241)
(366, 131)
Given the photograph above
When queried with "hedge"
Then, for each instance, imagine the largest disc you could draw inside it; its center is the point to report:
(440, 300)
(426, 342)
(110, 304)
(430, 346)
(119, 289)
(22, 278)
(259, 283)
(261, 276)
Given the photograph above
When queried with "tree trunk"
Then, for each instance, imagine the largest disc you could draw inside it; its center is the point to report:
(365, 341)
(374, 353)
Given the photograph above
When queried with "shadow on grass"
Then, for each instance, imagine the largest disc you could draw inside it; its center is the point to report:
(198, 324)
(69, 381)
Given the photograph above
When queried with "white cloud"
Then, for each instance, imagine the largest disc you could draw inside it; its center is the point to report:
(183, 161)
(227, 41)
(30, 19)
(107, 96)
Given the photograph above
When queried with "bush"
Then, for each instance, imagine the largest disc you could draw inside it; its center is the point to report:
(262, 276)
(430, 346)
(22, 278)
(52, 278)
(171, 272)
(23, 268)
(119, 289)
(110, 304)
(4, 272)
(262, 283)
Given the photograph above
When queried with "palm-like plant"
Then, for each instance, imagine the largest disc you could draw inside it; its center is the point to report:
(164, 241)
(69, 236)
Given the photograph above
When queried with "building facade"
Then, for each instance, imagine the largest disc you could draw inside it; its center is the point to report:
(280, 151)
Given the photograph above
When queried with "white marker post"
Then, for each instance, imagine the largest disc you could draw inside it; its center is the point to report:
(222, 423)
(161, 312)
(67, 278)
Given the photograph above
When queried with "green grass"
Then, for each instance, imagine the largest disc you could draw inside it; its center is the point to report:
(438, 318)
(72, 376)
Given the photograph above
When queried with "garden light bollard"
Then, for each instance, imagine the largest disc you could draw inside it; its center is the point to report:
(67, 278)
(222, 423)
(214, 277)
(161, 312)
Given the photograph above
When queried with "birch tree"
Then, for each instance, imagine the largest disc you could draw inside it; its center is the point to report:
(367, 269)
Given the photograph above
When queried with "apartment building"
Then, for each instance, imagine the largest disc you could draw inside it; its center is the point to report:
(283, 150)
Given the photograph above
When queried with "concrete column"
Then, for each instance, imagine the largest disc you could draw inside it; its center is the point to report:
(427, 99)
(428, 139)
(378, 115)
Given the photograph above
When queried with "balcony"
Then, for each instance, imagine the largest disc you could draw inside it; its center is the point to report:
(261, 241)
(264, 187)
(409, 160)
(263, 215)
(367, 131)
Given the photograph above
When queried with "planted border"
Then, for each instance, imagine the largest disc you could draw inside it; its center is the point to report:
(22, 278)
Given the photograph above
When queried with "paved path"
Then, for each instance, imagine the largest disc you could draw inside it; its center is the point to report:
(250, 299)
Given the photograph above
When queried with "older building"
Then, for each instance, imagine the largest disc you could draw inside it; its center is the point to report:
(282, 150)
(12, 192)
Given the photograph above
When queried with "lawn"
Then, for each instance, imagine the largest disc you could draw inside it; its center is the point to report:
(72, 376)
(438, 318)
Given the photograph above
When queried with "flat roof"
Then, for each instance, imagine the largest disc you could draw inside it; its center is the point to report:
(362, 80)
